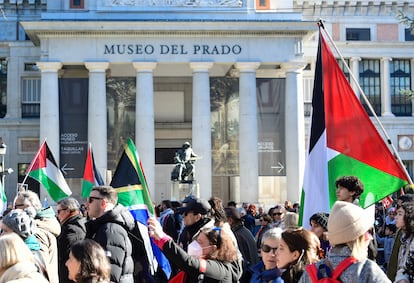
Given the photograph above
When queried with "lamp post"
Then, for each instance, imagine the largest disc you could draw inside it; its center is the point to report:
(4, 171)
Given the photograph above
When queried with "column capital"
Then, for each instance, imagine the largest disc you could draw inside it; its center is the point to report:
(49, 66)
(386, 59)
(96, 66)
(355, 59)
(293, 66)
(144, 66)
(201, 66)
(247, 66)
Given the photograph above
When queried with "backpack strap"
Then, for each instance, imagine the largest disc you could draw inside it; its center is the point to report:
(342, 266)
(312, 272)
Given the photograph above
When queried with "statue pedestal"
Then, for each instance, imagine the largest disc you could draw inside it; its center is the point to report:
(180, 190)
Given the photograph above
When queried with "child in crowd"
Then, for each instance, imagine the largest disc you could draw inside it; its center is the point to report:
(387, 242)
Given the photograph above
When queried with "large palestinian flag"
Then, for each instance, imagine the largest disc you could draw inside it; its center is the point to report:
(342, 142)
(45, 170)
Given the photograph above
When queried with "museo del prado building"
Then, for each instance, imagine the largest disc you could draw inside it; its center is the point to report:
(234, 78)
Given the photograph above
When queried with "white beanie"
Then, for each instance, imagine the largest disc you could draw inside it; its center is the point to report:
(347, 222)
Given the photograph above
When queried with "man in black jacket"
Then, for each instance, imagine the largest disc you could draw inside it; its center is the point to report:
(195, 213)
(108, 226)
(73, 229)
(245, 241)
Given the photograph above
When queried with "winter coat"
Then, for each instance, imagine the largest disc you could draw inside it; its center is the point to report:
(365, 271)
(48, 228)
(22, 272)
(73, 229)
(406, 260)
(247, 246)
(110, 232)
(260, 275)
(216, 271)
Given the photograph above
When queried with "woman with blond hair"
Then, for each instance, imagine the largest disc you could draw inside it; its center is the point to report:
(17, 263)
(348, 232)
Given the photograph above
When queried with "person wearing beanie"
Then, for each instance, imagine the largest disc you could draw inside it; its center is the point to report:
(348, 232)
(319, 226)
(20, 222)
(47, 229)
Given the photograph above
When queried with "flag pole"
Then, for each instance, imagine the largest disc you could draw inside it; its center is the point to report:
(394, 150)
(31, 166)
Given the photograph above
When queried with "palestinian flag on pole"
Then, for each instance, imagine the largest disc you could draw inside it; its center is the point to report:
(45, 170)
(343, 142)
(91, 175)
(131, 185)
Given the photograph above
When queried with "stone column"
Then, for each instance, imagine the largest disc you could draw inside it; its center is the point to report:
(294, 131)
(144, 120)
(201, 126)
(49, 106)
(248, 135)
(385, 88)
(354, 66)
(412, 83)
(14, 85)
(97, 117)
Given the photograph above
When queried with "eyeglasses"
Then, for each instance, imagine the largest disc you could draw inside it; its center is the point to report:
(59, 210)
(267, 249)
(261, 220)
(91, 199)
(18, 205)
(277, 213)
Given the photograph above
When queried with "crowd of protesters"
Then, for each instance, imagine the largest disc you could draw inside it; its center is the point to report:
(208, 241)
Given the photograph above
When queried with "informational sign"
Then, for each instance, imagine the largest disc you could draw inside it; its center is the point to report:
(73, 106)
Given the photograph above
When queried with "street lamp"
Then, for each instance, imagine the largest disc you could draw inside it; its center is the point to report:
(4, 172)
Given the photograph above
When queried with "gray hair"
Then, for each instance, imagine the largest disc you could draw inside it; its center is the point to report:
(69, 203)
(273, 233)
(30, 199)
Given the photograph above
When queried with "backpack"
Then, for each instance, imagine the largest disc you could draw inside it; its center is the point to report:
(316, 275)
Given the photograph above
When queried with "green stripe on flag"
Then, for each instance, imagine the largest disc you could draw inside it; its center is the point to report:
(377, 183)
(54, 190)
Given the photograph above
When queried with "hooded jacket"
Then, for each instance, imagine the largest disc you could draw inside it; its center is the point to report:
(110, 231)
(48, 228)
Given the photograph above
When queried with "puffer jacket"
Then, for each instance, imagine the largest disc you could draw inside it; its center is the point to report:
(365, 271)
(110, 232)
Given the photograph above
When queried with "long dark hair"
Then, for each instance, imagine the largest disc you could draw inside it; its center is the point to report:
(297, 240)
(408, 208)
(94, 265)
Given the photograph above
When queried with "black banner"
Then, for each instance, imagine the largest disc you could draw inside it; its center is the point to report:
(73, 109)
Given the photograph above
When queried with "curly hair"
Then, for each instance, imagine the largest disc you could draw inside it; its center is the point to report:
(352, 183)
(408, 208)
(94, 264)
(226, 250)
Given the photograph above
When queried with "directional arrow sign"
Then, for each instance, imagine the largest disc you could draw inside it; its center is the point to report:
(279, 166)
(64, 169)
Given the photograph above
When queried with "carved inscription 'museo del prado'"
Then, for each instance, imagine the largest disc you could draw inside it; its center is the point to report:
(171, 49)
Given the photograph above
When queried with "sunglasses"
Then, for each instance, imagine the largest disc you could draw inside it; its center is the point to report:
(91, 199)
(59, 210)
(277, 213)
(267, 249)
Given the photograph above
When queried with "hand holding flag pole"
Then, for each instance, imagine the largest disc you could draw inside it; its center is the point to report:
(363, 95)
